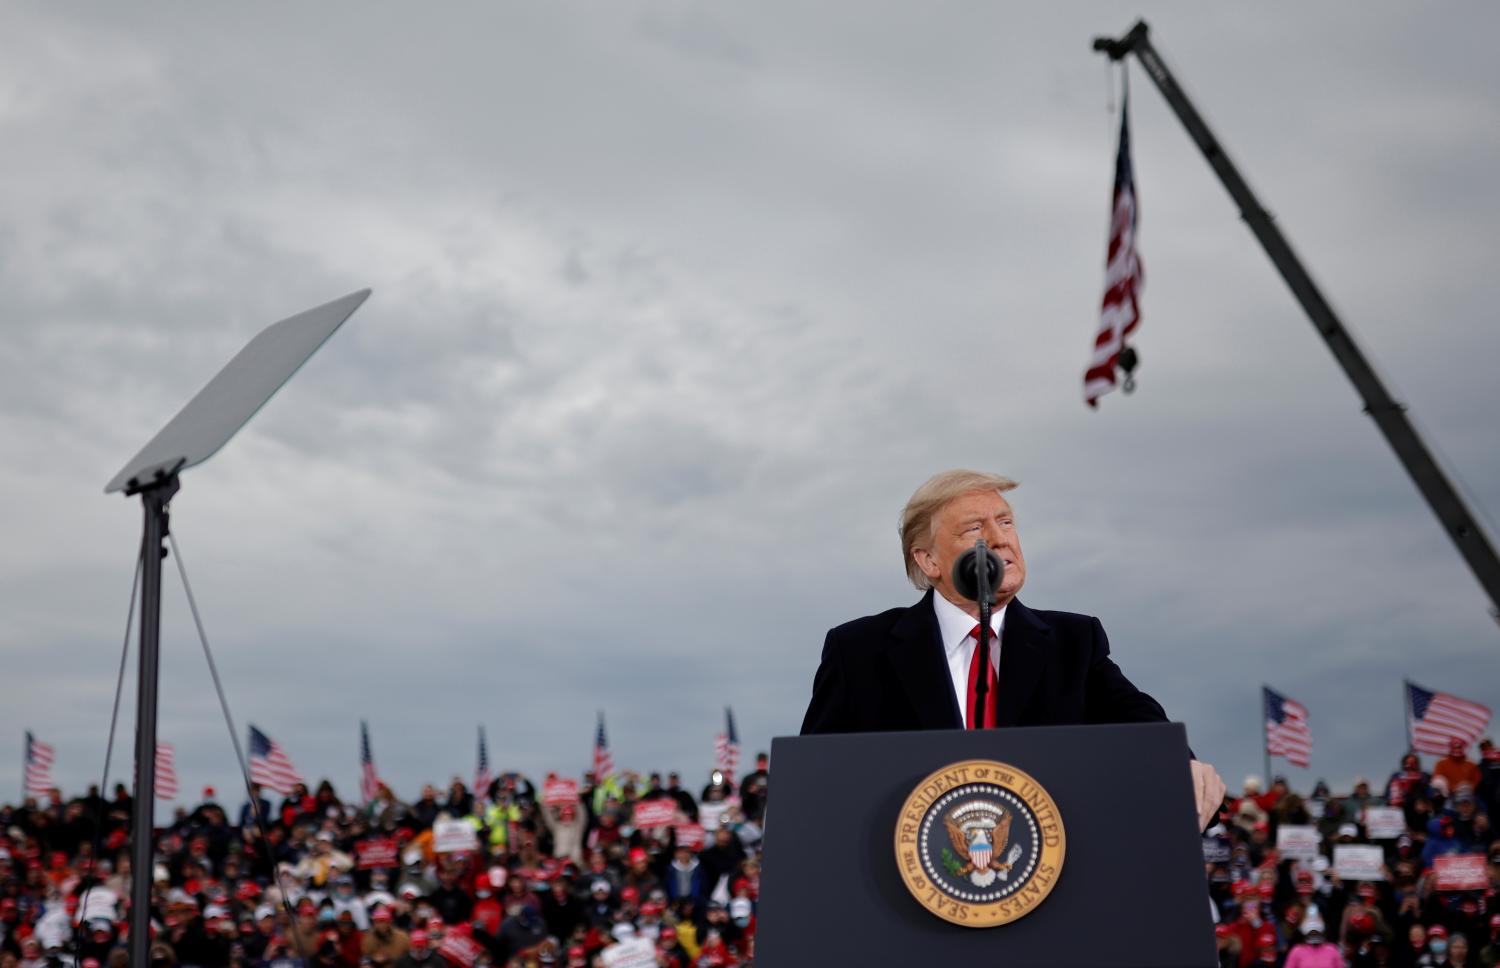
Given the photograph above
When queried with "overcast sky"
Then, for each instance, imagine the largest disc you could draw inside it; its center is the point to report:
(674, 305)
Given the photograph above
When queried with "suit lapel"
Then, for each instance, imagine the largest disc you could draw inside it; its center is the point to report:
(1024, 653)
(916, 653)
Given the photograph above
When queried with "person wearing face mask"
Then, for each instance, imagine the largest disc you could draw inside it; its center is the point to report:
(1436, 955)
(742, 915)
(1314, 952)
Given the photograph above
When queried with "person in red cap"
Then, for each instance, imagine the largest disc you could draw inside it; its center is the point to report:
(669, 951)
(1436, 955)
(419, 954)
(638, 872)
(384, 943)
(1362, 916)
(1489, 955)
(1247, 927)
(568, 824)
(1227, 942)
(578, 957)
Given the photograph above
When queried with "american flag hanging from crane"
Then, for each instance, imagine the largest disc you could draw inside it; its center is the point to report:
(1120, 312)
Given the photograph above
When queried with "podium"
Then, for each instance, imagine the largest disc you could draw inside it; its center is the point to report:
(1129, 887)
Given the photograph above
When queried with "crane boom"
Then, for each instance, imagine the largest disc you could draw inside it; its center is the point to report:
(1389, 415)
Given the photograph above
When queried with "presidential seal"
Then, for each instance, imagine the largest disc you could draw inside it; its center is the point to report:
(979, 843)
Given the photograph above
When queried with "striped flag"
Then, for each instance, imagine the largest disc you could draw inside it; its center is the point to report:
(39, 759)
(1287, 732)
(369, 780)
(1120, 312)
(604, 764)
(269, 764)
(166, 772)
(1434, 719)
(727, 747)
(482, 776)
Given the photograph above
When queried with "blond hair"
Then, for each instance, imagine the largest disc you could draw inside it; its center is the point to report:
(919, 516)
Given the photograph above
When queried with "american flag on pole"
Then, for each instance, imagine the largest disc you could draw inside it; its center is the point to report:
(1434, 719)
(727, 747)
(39, 759)
(1287, 732)
(482, 776)
(604, 764)
(1120, 312)
(269, 764)
(369, 780)
(166, 772)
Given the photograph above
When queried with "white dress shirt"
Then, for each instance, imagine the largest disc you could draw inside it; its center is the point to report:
(955, 624)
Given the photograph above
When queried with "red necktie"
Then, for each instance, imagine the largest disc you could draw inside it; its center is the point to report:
(991, 684)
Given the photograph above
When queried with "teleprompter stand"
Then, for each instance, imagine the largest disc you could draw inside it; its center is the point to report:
(197, 432)
(1131, 891)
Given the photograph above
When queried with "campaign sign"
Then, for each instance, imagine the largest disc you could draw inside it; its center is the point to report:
(1215, 850)
(1460, 872)
(655, 813)
(635, 953)
(377, 852)
(452, 836)
(557, 791)
(1384, 823)
(1298, 842)
(460, 949)
(690, 835)
(1359, 862)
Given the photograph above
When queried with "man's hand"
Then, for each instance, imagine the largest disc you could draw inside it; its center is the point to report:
(1208, 789)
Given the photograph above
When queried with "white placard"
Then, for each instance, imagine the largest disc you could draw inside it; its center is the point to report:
(1384, 823)
(451, 836)
(635, 953)
(1298, 842)
(1359, 862)
(709, 814)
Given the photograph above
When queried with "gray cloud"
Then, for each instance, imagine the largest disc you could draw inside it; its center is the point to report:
(674, 305)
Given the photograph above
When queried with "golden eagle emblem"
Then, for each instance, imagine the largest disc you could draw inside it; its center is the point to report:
(980, 831)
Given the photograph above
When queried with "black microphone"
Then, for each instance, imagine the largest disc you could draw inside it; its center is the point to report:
(977, 574)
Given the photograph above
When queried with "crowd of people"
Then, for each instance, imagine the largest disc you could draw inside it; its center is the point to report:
(564, 875)
(1430, 900)
(510, 875)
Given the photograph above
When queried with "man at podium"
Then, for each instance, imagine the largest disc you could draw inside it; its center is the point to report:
(917, 667)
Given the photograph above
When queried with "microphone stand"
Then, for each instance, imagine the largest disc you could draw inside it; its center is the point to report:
(986, 598)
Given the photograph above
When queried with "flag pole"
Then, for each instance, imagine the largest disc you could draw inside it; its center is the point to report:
(1265, 744)
(1411, 742)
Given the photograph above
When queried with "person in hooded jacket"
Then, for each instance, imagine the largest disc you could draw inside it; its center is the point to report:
(1314, 952)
